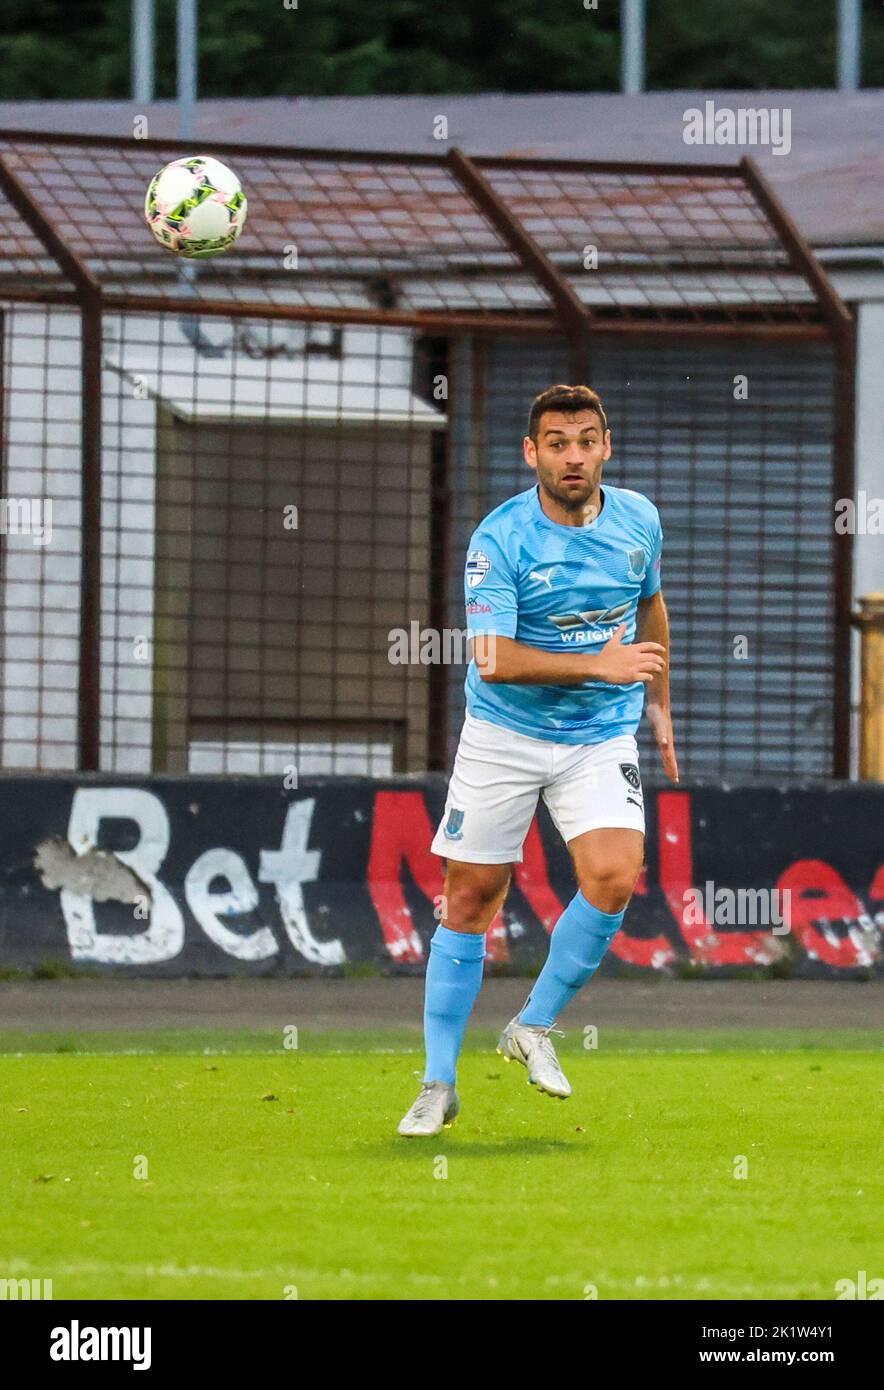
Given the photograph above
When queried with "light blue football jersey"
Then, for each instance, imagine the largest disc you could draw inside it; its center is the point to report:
(564, 589)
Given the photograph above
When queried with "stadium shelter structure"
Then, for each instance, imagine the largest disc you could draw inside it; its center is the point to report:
(265, 465)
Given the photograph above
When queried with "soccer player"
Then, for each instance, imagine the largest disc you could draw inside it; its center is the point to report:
(568, 627)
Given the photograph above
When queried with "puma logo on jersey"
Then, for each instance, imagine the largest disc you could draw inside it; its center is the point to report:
(543, 578)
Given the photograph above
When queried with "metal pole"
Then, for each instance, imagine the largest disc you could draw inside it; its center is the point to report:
(187, 47)
(632, 46)
(843, 485)
(90, 536)
(142, 31)
(849, 44)
(871, 735)
(440, 546)
(579, 359)
(186, 55)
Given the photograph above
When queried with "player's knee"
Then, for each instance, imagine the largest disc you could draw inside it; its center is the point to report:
(470, 904)
(610, 886)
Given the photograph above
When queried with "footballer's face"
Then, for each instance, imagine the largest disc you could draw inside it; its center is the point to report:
(568, 456)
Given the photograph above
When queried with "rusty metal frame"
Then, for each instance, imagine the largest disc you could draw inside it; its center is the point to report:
(429, 321)
(447, 321)
(573, 315)
(351, 156)
(568, 315)
(797, 247)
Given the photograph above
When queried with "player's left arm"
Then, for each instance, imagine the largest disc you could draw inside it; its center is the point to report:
(652, 625)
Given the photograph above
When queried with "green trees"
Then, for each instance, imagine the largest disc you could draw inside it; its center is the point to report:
(56, 49)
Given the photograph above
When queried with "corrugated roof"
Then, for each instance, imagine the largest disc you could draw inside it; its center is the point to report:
(831, 180)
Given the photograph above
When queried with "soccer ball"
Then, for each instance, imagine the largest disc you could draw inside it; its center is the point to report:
(195, 206)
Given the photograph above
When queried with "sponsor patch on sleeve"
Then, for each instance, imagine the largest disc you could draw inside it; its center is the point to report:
(478, 566)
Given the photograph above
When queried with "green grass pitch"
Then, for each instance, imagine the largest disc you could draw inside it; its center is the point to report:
(273, 1173)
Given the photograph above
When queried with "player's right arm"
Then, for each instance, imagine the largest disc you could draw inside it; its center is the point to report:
(492, 604)
(503, 660)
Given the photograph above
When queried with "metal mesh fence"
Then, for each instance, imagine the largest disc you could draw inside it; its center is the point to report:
(237, 497)
(676, 247)
(743, 486)
(291, 517)
(341, 233)
(40, 540)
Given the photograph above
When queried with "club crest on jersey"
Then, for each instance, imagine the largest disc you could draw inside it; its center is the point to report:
(630, 772)
(638, 563)
(478, 566)
(452, 829)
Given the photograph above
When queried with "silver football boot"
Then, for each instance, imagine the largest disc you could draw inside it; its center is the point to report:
(436, 1107)
(530, 1044)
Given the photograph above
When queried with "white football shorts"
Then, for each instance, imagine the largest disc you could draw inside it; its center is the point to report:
(498, 776)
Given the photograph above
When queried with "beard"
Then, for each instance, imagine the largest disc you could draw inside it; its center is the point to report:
(574, 497)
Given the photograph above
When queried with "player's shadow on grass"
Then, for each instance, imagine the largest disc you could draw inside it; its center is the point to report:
(482, 1148)
(478, 1148)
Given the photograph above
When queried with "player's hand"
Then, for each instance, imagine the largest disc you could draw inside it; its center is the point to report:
(622, 663)
(660, 721)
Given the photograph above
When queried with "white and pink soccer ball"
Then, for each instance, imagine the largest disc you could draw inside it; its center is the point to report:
(195, 206)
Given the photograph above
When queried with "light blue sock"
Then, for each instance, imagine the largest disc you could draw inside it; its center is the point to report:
(454, 974)
(579, 940)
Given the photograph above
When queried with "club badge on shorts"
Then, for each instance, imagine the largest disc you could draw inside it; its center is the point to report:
(630, 772)
(452, 829)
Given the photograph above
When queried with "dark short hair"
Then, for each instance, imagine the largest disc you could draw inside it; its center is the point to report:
(565, 400)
